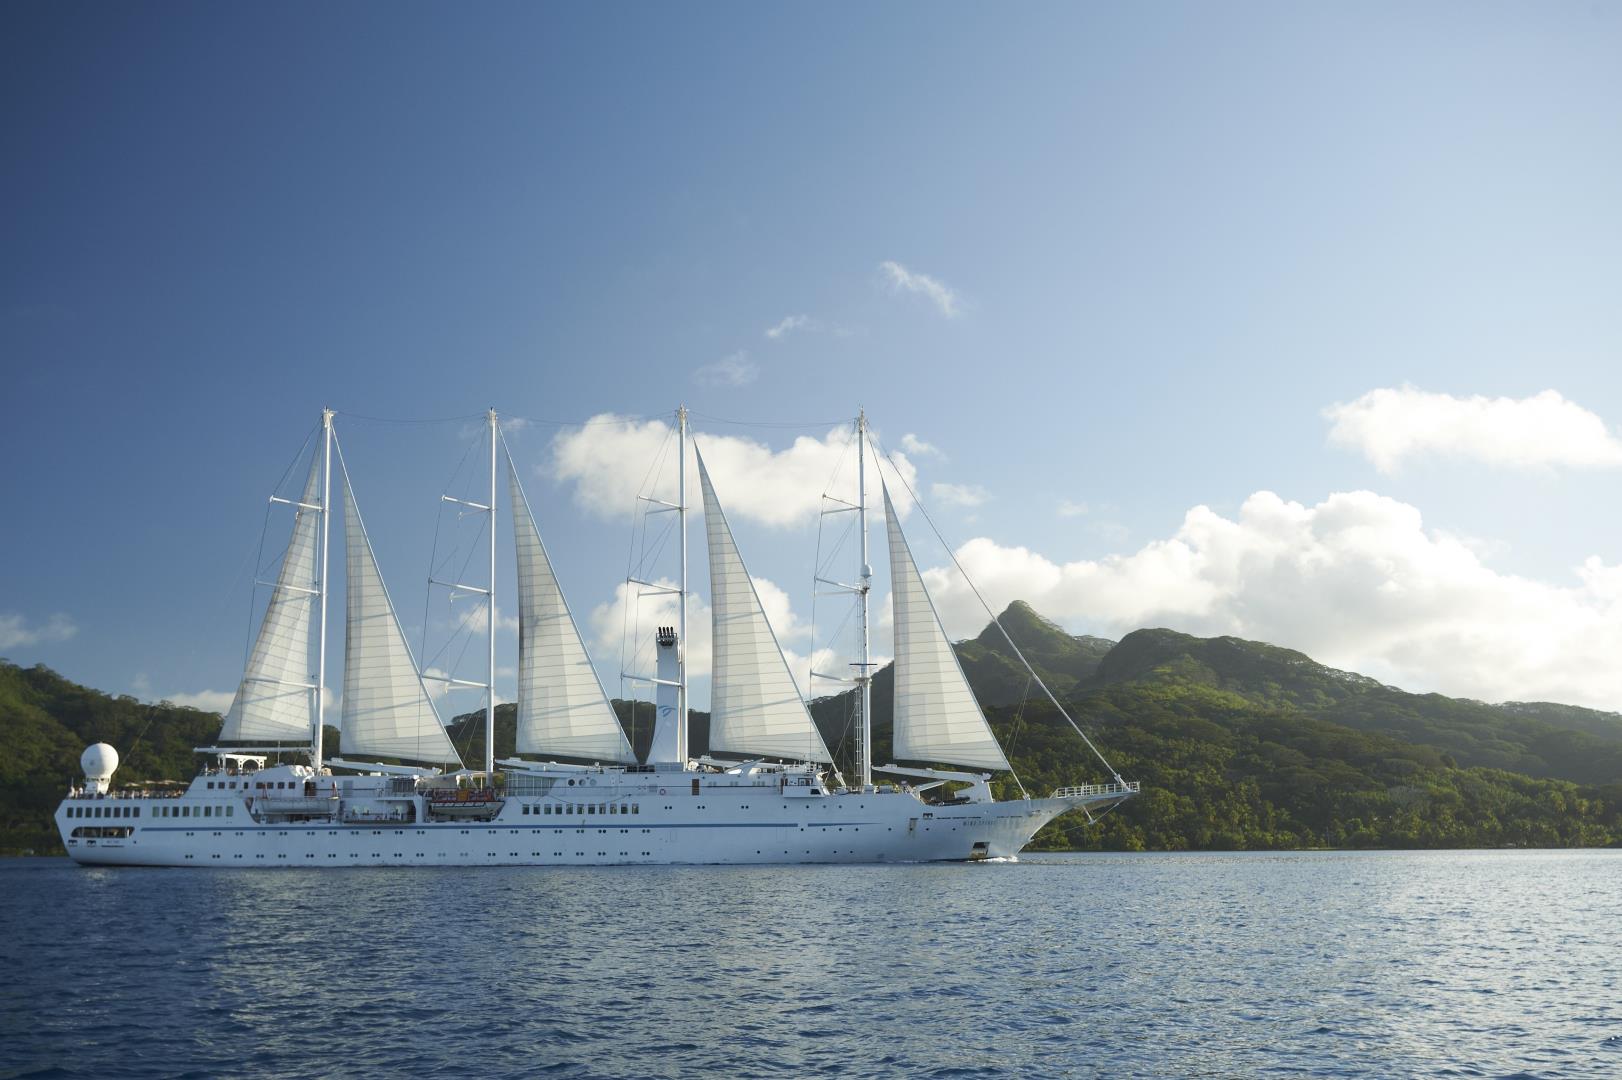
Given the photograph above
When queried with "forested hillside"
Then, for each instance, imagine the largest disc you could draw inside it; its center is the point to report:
(1238, 745)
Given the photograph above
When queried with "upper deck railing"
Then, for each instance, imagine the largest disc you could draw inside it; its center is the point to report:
(1085, 791)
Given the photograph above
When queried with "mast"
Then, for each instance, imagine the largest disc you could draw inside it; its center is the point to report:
(490, 621)
(321, 648)
(865, 585)
(681, 617)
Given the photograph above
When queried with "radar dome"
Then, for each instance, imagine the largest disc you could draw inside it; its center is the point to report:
(99, 762)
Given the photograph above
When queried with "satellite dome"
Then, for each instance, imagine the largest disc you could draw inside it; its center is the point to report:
(99, 762)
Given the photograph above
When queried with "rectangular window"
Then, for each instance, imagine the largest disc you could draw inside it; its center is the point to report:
(636, 808)
(230, 811)
(591, 808)
(137, 811)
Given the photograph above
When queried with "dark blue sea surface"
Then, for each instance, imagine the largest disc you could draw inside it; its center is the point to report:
(1325, 964)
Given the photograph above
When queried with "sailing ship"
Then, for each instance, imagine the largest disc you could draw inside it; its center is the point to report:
(577, 794)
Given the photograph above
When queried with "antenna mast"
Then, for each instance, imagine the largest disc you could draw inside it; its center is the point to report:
(490, 622)
(681, 618)
(865, 585)
(316, 749)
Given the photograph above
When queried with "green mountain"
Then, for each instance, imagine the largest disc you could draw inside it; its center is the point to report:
(1238, 744)
(1064, 661)
(1542, 740)
(1242, 744)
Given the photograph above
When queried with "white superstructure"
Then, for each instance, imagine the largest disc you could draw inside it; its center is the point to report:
(782, 804)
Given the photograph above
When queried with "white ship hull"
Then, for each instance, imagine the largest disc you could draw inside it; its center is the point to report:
(596, 819)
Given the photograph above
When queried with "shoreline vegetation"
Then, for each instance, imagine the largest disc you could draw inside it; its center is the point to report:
(1240, 746)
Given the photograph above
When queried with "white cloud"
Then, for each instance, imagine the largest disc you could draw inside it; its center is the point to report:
(959, 495)
(940, 294)
(207, 700)
(635, 611)
(1069, 509)
(734, 370)
(624, 627)
(15, 630)
(917, 447)
(1356, 582)
(478, 617)
(790, 324)
(1389, 425)
(610, 461)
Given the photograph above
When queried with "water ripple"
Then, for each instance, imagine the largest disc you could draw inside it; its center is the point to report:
(1460, 964)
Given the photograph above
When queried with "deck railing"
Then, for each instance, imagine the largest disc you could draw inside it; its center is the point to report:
(1083, 791)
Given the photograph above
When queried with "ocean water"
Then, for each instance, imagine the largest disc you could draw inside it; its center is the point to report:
(1319, 964)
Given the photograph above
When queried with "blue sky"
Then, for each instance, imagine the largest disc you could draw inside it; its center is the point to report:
(1113, 261)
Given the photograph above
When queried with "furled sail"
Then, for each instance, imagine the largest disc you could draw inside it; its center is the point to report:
(562, 709)
(274, 702)
(755, 706)
(386, 707)
(936, 716)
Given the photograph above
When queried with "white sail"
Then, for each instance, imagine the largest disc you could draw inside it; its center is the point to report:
(936, 716)
(274, 701)
(386, 707)
(562, 709)
(755, 706)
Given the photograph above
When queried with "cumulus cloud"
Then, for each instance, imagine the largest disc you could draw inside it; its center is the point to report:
(917, 447)
(959, 495)
(734, 370)
(16, 630)
(1356, 581)
(630, 617)
(1390, 425)
(610, 461)
(789, 325)
(937, 292)
(1070, 509)
(477, 618)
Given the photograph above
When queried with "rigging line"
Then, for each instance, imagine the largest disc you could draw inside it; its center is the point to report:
(409, 420)
(264, 531)
(638, 526)
(952, 554)
(1018, 728)
(769, 423)
(601, 420)
(343, 469)
(818, 567)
